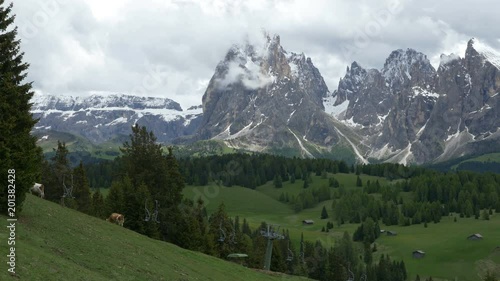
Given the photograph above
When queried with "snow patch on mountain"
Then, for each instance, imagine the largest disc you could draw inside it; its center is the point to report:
(355, 149)
(117, 121)
(245, 131)
(332, 109)
(382, 153)
(301, 145)
(491, 55)
(404, 157)
(418, 91)
(398, 65)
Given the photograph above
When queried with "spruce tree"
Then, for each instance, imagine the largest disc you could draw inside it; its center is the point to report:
(115, 202)
(82, 189)
(324, 213)
(143, 161)
(20, 157)
(359, 182)
(97, 207)
(59, 171)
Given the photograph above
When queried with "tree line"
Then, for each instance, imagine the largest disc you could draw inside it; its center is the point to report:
(147, 188)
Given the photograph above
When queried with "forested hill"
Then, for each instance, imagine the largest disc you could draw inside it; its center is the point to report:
(462, 192)
(378, 195)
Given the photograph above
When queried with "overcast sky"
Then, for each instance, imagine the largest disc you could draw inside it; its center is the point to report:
(170, 48)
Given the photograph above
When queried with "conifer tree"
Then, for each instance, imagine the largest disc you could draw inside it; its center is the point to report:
(59, 171)
(97, 207)
(115, 202)
(82, 189)
(20, 157)
(143, 161)
(359, 182)
(324, 213)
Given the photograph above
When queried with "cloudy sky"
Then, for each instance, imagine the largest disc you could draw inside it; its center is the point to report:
(170, 48)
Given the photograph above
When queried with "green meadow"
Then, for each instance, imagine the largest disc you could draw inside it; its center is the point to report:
(449, 255)
(56, 243)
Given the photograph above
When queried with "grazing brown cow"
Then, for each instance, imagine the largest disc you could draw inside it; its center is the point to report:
(116, 218)
(38, 188)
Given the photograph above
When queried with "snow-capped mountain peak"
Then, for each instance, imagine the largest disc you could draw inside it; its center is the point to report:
(102, 116)
(401, 65)
(488, 53)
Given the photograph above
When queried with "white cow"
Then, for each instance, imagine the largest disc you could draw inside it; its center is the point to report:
(38, 188)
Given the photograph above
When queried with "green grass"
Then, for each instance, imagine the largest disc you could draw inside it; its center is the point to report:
(458, 163)
(492, 157)
(75, 143)
(55, 243)
(262, 205)
(448, 254)
(347, 180)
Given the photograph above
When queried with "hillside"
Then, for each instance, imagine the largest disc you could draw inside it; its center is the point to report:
(55, 243)
(445, 242)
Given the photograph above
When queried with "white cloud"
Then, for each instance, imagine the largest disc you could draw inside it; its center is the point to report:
(77, 46)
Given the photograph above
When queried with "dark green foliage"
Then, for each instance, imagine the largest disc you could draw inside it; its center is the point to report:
(149, 177)
(143, 161)
(97, 207)
(367, 253)
(485, 215)
(435, 195)
(309, 198)
(324, 213)
(359, 182)
(333, 182)
(305, 184)
(56, 172)
(221, 228)
(81, 189)
(367, 232)
(18, 151)
(115, 201)
(329, 225)
(278, 181)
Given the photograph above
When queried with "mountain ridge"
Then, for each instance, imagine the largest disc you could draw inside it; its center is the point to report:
(262, 98)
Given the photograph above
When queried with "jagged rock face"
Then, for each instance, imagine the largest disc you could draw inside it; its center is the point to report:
(409, 112)
(466, 121)
(101, 118)
(391, 105)
(262, 97)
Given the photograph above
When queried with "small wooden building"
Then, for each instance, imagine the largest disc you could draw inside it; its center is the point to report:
(475, 237)
(307, 222)
(418, 254)
(391, 233)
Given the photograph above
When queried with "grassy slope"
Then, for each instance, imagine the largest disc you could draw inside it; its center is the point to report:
(491, 157)
(106, 150)
(55, 243)
(449, 254)
(262, 205)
